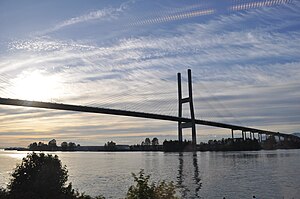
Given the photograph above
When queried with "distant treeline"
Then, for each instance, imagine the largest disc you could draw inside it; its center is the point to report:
(287, 143)
(52, 146)
(229, 144)
(237, 144)
(213, 145)
(174, 146)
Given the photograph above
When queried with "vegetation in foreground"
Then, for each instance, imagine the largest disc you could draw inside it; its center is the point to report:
(41, 176)
(144, 190)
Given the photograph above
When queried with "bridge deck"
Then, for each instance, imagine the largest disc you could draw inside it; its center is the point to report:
(69, 107)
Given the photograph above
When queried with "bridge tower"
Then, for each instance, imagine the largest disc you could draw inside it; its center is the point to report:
(189, 100)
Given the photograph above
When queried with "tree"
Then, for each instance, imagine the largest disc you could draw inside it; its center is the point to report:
(41, 144)
(110, 145)
(144, 190)
(40, 176)
(52, 143)
(33, 146)
(147, 142)
(154, 141)
(3, 193)
(71, 145)
(64, 145)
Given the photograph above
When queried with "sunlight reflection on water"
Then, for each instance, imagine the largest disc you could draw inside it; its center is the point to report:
(18, 156)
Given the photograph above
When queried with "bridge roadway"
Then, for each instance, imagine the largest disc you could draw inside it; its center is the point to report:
(87, 109)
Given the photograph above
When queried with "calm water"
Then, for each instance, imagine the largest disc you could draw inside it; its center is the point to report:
(265, 174)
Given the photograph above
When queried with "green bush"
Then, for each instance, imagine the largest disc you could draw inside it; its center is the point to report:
(144, 190)
(40, 176)
(3, 193)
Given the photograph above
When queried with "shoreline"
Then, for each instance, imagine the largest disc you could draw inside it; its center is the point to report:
(28, 150)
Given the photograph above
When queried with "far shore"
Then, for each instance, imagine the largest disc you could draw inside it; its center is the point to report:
(228, 144)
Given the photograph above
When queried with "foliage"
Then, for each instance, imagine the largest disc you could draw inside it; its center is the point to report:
(64, 145)
(144, 190)
(110, 145)
(52, 146)
(171, 146)
(3, 193)
(52, 143)
(237, 144)
(71, 145)
(147, 142)
(40, 176)
(154, 142)
(33, 145)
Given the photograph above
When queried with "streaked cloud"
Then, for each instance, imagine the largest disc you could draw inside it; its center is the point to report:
(105, 14)
(258, 4)
(174, 17)
(243, 74)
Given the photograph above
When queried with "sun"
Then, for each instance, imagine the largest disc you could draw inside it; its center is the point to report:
(36, 86)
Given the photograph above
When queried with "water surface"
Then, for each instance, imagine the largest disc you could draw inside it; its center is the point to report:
(265, 174)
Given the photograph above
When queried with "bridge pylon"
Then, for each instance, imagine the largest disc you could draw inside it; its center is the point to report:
(189, 100)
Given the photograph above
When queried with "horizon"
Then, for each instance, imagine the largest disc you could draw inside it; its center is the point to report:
(244, 57)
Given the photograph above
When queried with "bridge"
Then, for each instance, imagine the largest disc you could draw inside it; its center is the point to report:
(182, 122)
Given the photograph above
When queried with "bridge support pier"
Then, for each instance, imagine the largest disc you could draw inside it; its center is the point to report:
(188, 100)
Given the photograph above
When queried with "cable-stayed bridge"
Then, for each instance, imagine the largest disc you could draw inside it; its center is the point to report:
(183, 122)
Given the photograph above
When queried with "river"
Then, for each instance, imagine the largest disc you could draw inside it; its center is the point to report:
(265, 174)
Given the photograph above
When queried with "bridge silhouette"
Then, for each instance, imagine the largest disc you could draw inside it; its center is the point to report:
(183, 122)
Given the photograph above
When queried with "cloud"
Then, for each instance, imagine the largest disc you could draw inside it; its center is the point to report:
(242, 75)
(174, 17)
(105, 14)
(258, 4)
(134, 59)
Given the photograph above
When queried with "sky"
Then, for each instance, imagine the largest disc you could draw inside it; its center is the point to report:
(244, 56)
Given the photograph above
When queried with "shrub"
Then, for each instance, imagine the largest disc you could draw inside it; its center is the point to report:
(40, 176)
(3, 193)
(144, 190)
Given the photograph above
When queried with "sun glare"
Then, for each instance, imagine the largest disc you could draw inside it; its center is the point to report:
(36, 86)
